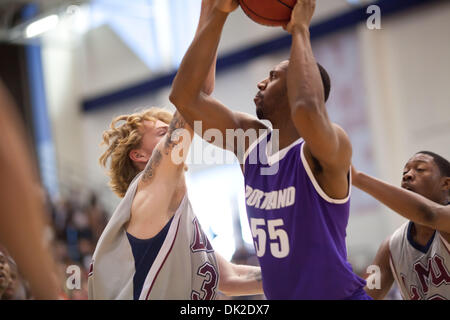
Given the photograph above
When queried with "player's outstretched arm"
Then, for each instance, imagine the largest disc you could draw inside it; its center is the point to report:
(379, 288)
(409, 204)
(21, 207)
(239, 280)
(194, 82)
(327, 142)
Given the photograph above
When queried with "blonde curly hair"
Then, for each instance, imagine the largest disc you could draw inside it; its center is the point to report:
(121, 140)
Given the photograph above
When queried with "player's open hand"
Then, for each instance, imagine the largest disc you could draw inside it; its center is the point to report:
(301, 16)
(227, 5)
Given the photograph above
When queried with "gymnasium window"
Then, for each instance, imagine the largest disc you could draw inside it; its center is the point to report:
(158, 31)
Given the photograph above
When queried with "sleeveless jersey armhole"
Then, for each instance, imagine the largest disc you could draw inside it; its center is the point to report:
(163, 252)
(446, 244)
(316, 185)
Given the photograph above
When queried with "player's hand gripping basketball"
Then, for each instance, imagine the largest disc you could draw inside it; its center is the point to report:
(301, 15)
(227, 5)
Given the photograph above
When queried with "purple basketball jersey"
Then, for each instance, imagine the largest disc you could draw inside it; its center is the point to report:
(298, 231)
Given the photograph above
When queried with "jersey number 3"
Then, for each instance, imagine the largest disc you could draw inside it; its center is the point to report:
(279, 240)
(209, 285)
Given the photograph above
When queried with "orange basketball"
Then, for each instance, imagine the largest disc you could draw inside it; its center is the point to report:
(268, 12)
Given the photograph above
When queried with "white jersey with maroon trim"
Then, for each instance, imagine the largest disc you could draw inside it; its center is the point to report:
(421, 272)
(185, 267)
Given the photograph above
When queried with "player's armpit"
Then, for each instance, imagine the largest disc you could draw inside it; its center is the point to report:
(331, 174)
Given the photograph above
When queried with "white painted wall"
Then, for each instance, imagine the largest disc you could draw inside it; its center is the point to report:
(107, 64)
(62, 82)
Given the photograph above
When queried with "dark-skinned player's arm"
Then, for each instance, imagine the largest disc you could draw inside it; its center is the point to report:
(410, 205)
(161, 174)
(325, 141)
(198, 65)
(386, 277)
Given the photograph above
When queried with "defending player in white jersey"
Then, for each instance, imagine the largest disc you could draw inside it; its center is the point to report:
(417, 255)
(154, 247)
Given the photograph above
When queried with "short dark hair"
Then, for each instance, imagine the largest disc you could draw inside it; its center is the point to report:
(325, 81)
(441, 162)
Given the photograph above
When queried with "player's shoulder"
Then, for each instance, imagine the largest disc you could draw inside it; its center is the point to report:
(398, 237)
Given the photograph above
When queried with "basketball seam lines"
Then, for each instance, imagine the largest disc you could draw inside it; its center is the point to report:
(285, 4)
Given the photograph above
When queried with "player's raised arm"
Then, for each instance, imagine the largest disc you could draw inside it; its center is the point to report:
(194, 81)
(162, 180)
(166, 163)
(327, 142)
(410, 205)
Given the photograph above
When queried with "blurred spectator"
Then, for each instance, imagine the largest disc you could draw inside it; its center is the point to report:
(98, 217)
(76, 228)
(5, 272)
(12, 285)
(18, 288)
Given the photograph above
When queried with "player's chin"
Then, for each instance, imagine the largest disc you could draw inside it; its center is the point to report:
(259, 113)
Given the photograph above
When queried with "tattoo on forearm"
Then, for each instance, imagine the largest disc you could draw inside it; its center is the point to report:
(172, 138)
(149, 171)
(255, 275)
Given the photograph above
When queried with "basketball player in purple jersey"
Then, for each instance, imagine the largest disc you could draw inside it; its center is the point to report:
(297, 198)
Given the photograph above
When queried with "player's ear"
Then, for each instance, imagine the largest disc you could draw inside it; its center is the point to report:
(137, 155)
